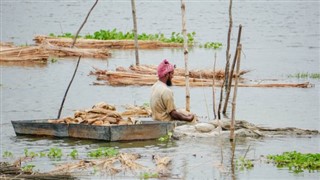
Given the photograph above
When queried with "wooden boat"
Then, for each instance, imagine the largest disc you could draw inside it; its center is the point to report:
(143, 131)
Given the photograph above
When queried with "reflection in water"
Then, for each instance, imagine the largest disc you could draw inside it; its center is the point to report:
(24, 64)
(233, 149)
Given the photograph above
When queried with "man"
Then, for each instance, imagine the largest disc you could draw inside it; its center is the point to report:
(161, 102)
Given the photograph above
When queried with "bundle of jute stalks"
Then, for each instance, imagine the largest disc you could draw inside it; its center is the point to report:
(103, 114)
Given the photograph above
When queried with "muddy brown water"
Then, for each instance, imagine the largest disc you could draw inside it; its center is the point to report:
(279, 38)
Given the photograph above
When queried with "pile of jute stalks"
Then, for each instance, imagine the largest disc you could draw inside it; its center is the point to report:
(41, 53)
(103, 114)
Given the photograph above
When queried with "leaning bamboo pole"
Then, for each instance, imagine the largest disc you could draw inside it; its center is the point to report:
(185, 52)
(77, 34)
(228, 56)
(228, 45)
(224, 110)
(232, 135)
(135, 31)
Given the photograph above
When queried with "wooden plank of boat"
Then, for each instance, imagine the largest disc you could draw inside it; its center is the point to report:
(40, 127)
(145, 130)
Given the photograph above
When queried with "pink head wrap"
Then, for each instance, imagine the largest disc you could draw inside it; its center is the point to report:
(164, 68)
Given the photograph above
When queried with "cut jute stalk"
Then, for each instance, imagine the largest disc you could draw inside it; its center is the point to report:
(228, 46)
(228, 56)
(232, 135)
(135, 31)
(213, 86)
(185, 47)
(224, 110)
(77, 34)
(221, 96)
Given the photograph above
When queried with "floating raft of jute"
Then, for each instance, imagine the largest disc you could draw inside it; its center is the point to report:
(98, 44)
(146, 75)
(41, 53)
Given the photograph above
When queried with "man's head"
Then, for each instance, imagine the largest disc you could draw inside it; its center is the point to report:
(165, 72)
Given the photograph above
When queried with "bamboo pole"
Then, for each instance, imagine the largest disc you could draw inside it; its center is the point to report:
(224, 110)
(135, 31)
(77, 34)
(185, 47)
(228, 46)
(220, 101)
(228, 56)
(232, 136)
(213, 86)
(65, 95)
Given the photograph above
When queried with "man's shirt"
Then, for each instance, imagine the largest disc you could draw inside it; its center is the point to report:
(161, 102)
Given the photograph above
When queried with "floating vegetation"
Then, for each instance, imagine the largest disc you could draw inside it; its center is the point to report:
(103, 152)
(305, 75)
(119, 35)
(296, 161)
(28, 153)
(55, 153)
(243, 163)
(74, 154)
(42, 154)
(28, 168)
(166, 137)
(53, 60)
(147, 175)
(212, 45)
(7, 154)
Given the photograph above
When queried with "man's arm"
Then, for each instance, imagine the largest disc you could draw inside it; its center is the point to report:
(180, 116)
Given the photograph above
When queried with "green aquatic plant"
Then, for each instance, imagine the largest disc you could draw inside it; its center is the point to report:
(166, 137)
(103, 152)
(305, 75)
(74, 154)
(28, 153)
(42, 154)
(243, 163)
(7, 154)
(296, 161)
(147, 175)
(28, 168)
(53, 60)
(212, 45)
(55, 153)
(114, 34)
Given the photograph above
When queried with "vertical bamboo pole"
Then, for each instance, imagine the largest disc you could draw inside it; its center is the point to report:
(224, 110)
(185, 52)
(213, 86)
(221, 97)
(228, 46)
(85, 20)
(135, 31)
(232, 136)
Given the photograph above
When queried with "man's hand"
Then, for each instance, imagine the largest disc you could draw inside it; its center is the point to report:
(181, 116)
